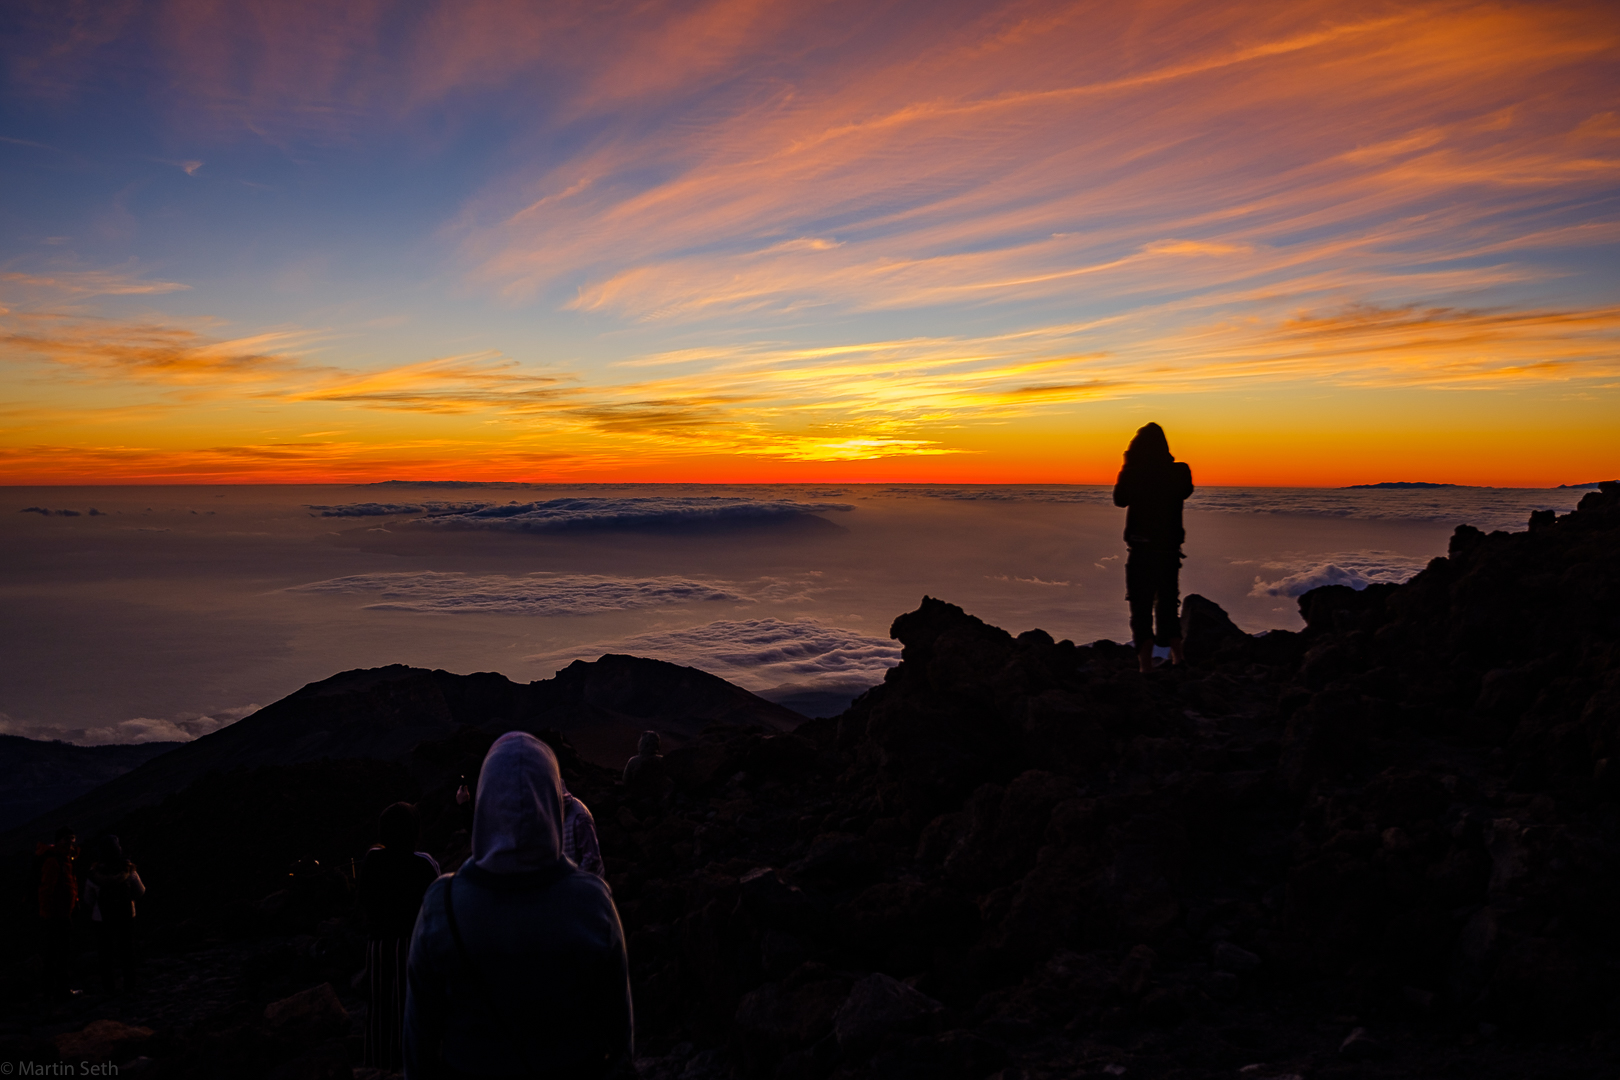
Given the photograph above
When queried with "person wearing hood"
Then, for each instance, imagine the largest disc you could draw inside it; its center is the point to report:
(393, 878)
(644, 773)
(517, 966)
(1152, 486)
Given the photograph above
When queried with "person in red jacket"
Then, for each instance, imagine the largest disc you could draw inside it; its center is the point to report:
(1152, 486)
(58, 899)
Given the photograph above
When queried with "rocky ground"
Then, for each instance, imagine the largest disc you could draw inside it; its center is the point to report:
(1386, 846)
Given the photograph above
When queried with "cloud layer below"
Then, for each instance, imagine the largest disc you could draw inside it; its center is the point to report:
(534, 594)
(1357, 569)
(583, 515)
(779, 659)
(141, 729)
(1484, 508)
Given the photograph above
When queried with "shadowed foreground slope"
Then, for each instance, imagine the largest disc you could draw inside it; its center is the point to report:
(1388, 845)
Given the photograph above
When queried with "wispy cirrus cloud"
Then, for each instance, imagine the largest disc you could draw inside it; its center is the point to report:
(151, 352)
(89, 283)
(451, 384)
(978, 170)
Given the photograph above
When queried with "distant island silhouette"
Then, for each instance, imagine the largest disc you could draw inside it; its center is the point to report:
(1406, 485)
(447, 484)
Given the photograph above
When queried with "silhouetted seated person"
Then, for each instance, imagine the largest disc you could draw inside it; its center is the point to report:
(392, 880)
(111, 889)
(644, 773)
(517, 967)
(1153, 485)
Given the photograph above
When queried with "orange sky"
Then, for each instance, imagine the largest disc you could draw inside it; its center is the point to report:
(1321, 243)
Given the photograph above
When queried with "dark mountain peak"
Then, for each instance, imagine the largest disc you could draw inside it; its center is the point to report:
(381, 714)
(640, 686)
(359, 680)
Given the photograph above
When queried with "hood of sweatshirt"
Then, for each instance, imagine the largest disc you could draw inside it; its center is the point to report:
(517, 819)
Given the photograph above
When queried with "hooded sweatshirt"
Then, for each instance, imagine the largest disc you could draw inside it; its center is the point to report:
(538, 984)
(1153, 490)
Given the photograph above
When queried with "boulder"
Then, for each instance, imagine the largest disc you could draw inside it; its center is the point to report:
(877, 1005)
(101, 1041)
(327, 1061)
(1359, 1046)
(1207, 630)
(309, 1016)
(778, 1018)
(1234, 959)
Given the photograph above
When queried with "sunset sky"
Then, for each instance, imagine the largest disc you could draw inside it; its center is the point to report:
(1321, 243)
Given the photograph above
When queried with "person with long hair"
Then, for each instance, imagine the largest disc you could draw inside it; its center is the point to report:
(393, 878)
(518, 965)
(1152, 487)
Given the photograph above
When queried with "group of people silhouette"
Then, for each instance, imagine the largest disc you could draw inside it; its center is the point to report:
(111, 887)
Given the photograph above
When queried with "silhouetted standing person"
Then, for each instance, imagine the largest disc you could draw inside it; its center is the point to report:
(1152, 486)
(58, 899)
(111, 890)
(518, 964)
(644, 773)
(393, 878)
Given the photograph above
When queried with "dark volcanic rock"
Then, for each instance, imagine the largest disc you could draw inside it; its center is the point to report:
(1208, 631)
(877, 1005)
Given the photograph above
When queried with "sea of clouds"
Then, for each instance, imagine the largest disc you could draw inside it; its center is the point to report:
(1357, 569)
(787, 660)
(1484, 508)
(584, 514)
(140, 729)
(541, 593)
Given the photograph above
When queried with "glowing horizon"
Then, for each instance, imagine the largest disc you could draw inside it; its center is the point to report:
(753, 242)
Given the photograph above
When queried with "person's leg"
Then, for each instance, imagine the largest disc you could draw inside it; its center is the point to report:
(402, 954)
(106, 950)
(1167, 590)
(375, 1052)
(58, 956)
(124, 938)
(1139, 594)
